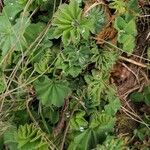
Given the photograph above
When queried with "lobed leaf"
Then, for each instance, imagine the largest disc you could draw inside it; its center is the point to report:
(51, 92)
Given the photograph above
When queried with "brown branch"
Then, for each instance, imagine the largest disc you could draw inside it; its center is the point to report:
(67, 127)
(133, 62)
(58, 129)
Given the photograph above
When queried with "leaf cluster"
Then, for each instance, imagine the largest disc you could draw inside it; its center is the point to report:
(54, 77)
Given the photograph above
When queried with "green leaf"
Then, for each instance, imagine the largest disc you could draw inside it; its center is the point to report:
(137, 97)
(73, 59)
(11, 10)
(142, 96)
(102, 122)
(148, 52)
(9, 138)
(64, 10)
(104, 59)
(141, 133)
(130, 27)
(114, 102)
(74, 9)
(51, 114)
(83, 141)
(66, 37)
(128, 42)
(120, 23)
(97, 15)
(78, 121)
(2, 85)
(74, 71)
(51, 91)
(112, 143)
(33, 31)
(42, 64)
(118, 5)
(12, 35)
(146, 94)
(126, 32)
(134, 6)
(96, 85)
(70, 24)
(30, 137)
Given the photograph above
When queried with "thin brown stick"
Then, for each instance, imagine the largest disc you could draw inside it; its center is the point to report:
(29, 112)
(133, 62)
(67, 127)
(131, 72)
(93, 5)
(134, 55)
(134, 116)
(52, 146)
(58, 129)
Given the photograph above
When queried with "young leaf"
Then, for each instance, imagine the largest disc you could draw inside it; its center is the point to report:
(128, 42)
(114, 103)
(118, 5)
(78, 121)
(51, 91)
(102, 122)
(96, 84)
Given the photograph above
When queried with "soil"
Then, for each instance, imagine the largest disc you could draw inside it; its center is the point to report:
(131, 77)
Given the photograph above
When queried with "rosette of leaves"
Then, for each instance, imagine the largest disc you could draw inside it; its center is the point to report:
(101, 124)
(70, 24)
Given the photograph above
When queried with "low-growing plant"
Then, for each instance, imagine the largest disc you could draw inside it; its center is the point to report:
(56, 87)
